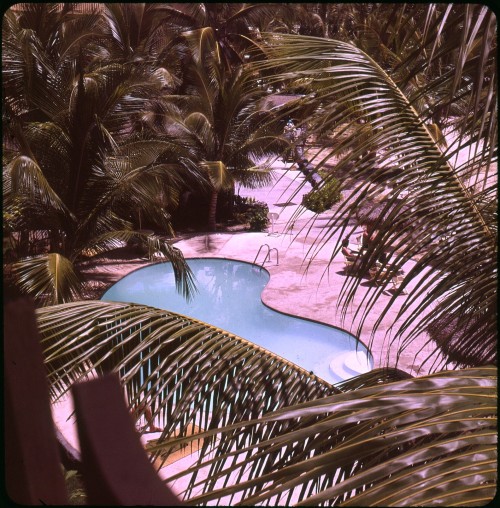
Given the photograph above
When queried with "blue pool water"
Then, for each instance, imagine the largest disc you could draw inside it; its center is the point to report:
(229, 296)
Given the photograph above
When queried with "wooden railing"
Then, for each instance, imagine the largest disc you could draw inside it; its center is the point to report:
(116, 469)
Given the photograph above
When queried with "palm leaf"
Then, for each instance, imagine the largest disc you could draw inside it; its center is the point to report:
(123, 183)
(190, 372)
(372, 378)
(218, 174)
(412, 442)
(384, 442)
(51, 278)
(27, 179)
(351, 85)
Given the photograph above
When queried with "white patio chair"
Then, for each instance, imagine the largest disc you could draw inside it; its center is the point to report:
(273, 217)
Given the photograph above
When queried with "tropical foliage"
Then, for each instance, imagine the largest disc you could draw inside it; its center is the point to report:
(191, 372)
(273, 433)
(73, 172)
(324, 197)
(217, 115)
(393, 447)
(232, 23)
(110, 115)
(438, 210)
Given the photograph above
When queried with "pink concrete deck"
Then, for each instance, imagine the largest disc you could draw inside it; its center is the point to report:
(306, 282)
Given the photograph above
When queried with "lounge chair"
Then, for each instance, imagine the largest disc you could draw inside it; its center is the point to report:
(359, 239)
(273, 217)
(378, 276)
(351, 263)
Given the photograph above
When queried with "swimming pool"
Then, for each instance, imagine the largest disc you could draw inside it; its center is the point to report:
(229, 297)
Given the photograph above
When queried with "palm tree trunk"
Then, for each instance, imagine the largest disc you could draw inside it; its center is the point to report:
(212, 210)
(24, 243)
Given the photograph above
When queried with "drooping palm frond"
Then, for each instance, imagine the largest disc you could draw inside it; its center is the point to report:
(51, 278)
(271, 432)
(25, 178)
(155, 248)
(428, 199)
(188, 371)
(415, 442)
(374, 377)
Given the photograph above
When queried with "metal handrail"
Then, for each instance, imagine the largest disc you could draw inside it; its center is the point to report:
(268, 254)
(277, 255)
(258, 252)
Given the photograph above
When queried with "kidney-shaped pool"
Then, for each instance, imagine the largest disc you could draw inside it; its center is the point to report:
(229, 297)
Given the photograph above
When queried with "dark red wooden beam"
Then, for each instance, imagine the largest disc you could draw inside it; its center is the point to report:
(116, 469)
(33, 471)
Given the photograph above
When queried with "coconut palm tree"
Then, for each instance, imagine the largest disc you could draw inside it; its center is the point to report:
(218, 114)
(155, 40)
(232, 23)
(73, 167)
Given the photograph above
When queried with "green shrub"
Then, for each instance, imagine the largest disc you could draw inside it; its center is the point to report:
(322, 198)
(258, 220)
(251, 212)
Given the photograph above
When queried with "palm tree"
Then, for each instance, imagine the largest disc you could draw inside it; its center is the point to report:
(73, 167)
(233, 24)
(156, 40)
(217, 114)
(190, 365)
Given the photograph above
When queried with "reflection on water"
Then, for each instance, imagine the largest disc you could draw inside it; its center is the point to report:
(229, 296)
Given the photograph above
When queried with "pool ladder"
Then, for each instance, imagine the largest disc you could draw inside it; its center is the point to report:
(267, 259)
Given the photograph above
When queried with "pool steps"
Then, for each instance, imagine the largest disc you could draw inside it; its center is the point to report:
(350, 364)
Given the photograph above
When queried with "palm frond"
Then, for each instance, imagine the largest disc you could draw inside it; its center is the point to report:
(396, 151)
(198, 124)
(189, 371)
(50, 278)
(373, 378)
(272, 433)
(218, 174)
(123, 184)
(410, 442)
(28, 180)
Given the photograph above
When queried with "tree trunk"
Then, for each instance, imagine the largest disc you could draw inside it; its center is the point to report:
(212, 211)
(24, 244)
